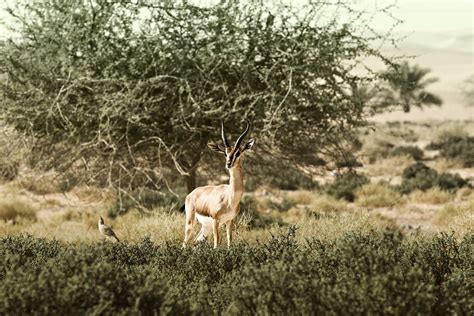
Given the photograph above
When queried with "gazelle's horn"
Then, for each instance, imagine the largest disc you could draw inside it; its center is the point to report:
(241, 137)
(224, 139)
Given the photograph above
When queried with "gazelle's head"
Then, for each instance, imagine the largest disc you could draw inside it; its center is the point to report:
(233, 154)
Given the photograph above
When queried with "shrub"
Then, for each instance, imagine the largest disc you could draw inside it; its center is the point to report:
(449, 181)
(284, 205)
(143, 199)
(456, 147)
(250, 217)
(358, 273)
(377, 150)
(411, 151)
(421, 177)
(345, 185)
(348, 161)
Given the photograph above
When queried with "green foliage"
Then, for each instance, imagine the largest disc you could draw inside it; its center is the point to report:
(421, 177)
(376, 273)
(406, 86)
(449, 181)
(345, 185)
(290, 179)
(143, 199)
(349, 161)
(283, 206)
(250, 217)
(129, 92)
(278, 175)
(413, 151)
(456, 147)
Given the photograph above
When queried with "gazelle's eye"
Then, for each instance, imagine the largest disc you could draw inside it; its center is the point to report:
(237, 154)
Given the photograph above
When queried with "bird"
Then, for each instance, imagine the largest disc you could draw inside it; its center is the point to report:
(106, 230)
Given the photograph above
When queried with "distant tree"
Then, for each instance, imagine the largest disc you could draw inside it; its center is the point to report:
(129, 94)
(406, 86)
(467, 90)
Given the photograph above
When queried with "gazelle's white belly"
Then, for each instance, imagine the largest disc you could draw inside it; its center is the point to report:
(207, 220)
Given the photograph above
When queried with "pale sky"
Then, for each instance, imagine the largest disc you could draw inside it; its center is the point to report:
(434, 15)
(419, 15)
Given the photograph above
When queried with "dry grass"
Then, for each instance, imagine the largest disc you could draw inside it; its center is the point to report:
(16, 208)
(465, 194)
(445, 165)
(38, 184)
(374, 195)
(392, 166)
(457, 217)
(303, 197)
(431, 196)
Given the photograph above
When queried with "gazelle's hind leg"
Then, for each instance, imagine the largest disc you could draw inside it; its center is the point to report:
(188, 230)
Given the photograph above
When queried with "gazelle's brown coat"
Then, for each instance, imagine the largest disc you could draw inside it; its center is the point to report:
(218, 205)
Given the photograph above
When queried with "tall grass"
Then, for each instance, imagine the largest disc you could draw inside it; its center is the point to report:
(374, 195)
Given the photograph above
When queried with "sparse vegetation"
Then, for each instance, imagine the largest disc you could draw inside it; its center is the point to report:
(456, 147)
(412, 151)
(345, 185)
(431, 196)
(146, 200)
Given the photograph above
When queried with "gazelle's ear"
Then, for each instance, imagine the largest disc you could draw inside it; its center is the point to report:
(248, 145)
(216, 148)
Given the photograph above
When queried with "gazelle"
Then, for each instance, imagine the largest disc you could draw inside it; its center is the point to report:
(218, 205)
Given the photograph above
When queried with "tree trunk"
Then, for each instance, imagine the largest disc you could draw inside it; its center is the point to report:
(191, 180)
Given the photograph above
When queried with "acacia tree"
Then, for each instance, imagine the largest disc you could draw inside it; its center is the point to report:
(406, 86)
(128, 93)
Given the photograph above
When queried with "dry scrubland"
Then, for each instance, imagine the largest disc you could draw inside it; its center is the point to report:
(394, 239)
(39, 205)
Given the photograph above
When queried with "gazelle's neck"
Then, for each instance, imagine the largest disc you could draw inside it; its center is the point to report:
(236, 184)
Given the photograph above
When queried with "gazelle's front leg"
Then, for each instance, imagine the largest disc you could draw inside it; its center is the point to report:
(228, 227)
(215, 230)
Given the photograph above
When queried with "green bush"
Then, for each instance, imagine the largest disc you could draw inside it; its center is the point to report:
(143, 198)
(345, 185)
(456, 147)
(421, 177)
(449, 181)
(412, 151)
(376, 273)
(283, 206)
(251, 217)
